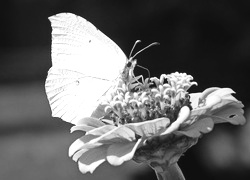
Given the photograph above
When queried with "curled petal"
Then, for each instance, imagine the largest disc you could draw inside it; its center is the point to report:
(107, 109)
(118, 97)
(195, 99)
(119, 134)
(101, 130)
(81, 128)
(144, 100)
(186, 86)
(117, 103)
(222, 92)
(135, 95)
(162, 78)
(232, 113)
(121, 152)
(154, 90)
(127, 96)
(205, 93)
(212, 101)
(133, 102)
(180, 90)
(219, 105)
(194, 83)
(155, 80)
(157, 95)
(79, 143)
(167, 97)
(166, 85)
(139, 104)
(198, 128)
(143, 95)
(182, 117)
(91, 159)
(90, 121)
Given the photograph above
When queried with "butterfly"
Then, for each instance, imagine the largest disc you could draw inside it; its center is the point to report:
(85, 64)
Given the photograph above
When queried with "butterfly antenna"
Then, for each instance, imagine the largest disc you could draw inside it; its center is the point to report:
(150, 45)
(136, 42)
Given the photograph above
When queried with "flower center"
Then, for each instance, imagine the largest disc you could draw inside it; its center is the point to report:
(149, 99)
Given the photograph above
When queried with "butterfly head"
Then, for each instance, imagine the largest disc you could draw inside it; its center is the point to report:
(128, 72)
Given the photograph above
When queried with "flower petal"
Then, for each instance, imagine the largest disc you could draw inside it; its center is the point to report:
(79, 143)
(99, 111)
(119, 134)
(149, 128)
(194, 99)
(91, 159)
(182, 117)
(221, 92)
(207, 91)
(221, 106)
(120, 152)
(232, 113)
(101, 130)
(199, 127)
(90, 121)
(226, 98)
(81, 128)
(90, 141)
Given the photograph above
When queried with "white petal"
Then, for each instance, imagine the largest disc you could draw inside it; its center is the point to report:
(91, 159)
(81, 128)
(120, 152)
(101, 130)
(149, 128)
(79, 143)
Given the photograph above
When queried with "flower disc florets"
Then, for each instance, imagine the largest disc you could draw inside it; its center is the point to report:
(149, 99)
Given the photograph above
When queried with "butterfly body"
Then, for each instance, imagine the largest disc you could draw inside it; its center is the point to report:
(85, 65)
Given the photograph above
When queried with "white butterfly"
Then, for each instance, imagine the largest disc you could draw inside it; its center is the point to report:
(85, 64)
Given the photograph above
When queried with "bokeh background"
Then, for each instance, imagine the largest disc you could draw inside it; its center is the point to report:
(209, 39)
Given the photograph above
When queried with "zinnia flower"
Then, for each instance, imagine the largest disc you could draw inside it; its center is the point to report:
(154, 121)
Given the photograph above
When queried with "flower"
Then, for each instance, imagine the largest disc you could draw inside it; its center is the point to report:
(153, 121)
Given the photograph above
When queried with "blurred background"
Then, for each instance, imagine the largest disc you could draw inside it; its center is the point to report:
(208, 39)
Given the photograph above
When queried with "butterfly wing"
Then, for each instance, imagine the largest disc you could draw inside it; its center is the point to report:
(85, 62)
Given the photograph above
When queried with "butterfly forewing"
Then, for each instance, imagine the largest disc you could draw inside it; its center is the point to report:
(85, 62)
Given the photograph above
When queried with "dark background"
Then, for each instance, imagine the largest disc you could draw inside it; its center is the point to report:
(209, 39)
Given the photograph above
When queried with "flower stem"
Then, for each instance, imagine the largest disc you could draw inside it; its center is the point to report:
(172, 172)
